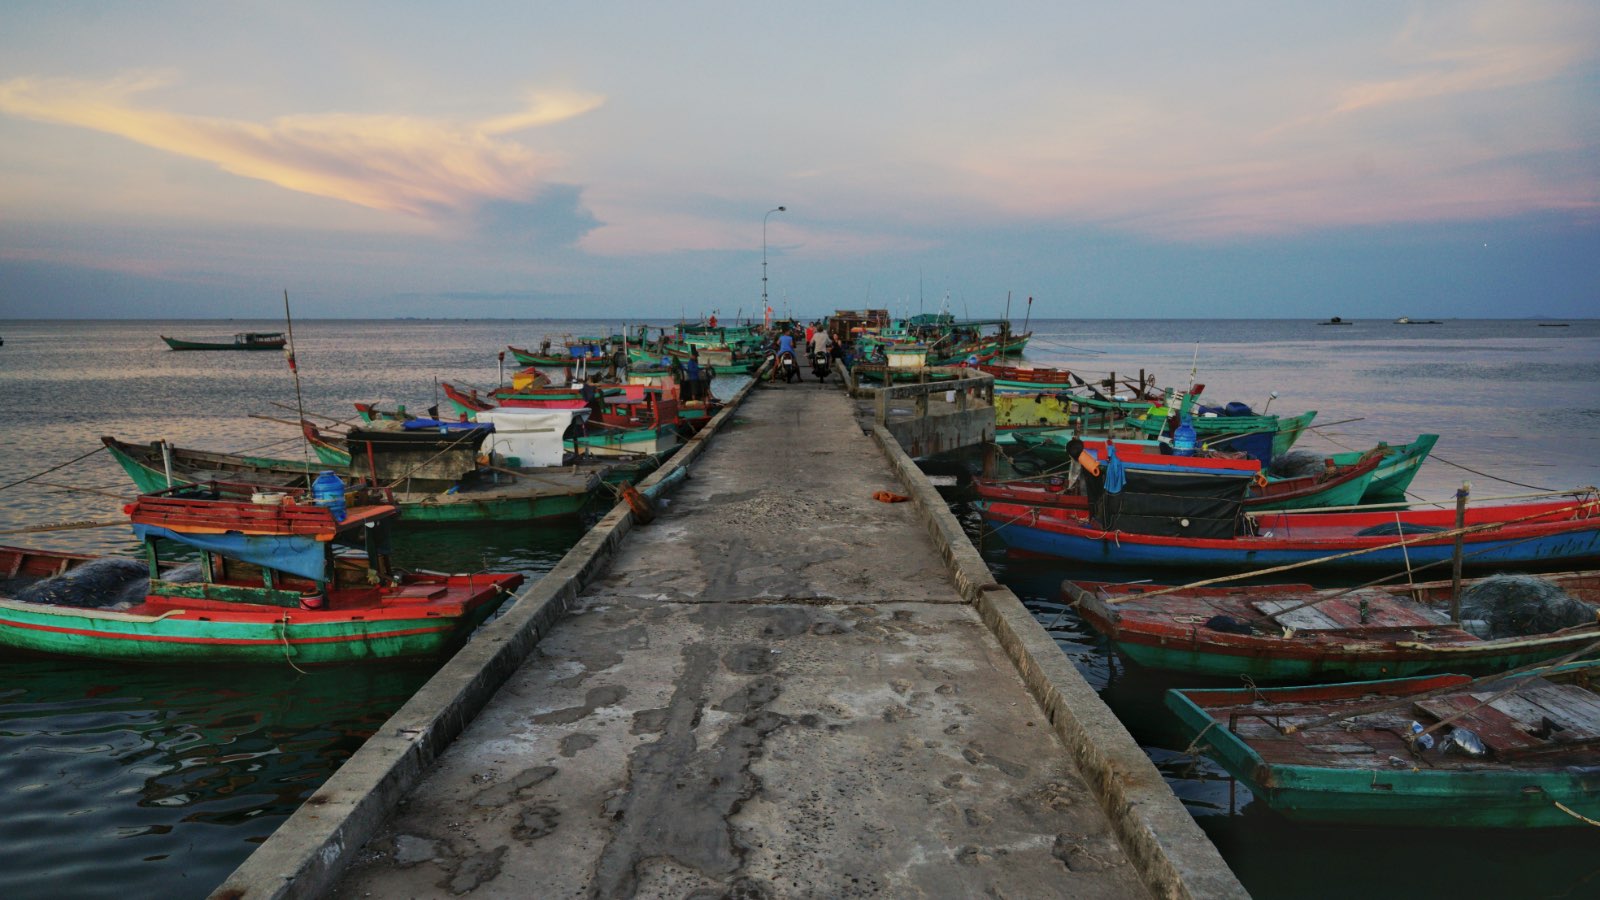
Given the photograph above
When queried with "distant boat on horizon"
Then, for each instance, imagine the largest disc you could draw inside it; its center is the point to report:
(1336, 321)
(1407, 320)
(246, 340)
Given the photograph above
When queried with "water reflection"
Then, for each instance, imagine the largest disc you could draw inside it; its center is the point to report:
(98, 757)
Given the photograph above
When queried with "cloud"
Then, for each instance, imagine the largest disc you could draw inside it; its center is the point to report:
(1453, 116)
(1495, 47)
(422, 167)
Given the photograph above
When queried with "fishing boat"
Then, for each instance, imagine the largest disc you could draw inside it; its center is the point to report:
(1026, 378)
(371, 412)
(1443, 751)
(1400, 464)
(247, 340)
(443, 484)
(275, 583)
(1333, 486)
(1294, 632)
(1234, 427)
(1540, 534)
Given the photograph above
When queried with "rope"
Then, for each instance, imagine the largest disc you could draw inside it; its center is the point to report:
(283, 633)
(53, 468)
(62, 526)
(1580, 817)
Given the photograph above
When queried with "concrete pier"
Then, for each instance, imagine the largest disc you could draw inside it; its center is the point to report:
(780, 687)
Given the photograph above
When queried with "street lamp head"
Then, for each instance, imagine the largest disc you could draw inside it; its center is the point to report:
(783, 209)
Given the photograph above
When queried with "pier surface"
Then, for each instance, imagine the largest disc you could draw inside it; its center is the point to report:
(778, 688)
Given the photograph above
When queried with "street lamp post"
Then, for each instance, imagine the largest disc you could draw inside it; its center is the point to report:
(764, 256)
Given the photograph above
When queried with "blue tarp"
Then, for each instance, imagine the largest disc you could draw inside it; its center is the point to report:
(436, 424)
(296, 554)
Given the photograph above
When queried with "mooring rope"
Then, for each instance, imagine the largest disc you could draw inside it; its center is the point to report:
(53, 468)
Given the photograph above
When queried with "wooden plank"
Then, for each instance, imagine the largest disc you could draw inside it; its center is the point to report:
(1497, 730)
(1309, 618)
(1565, 706)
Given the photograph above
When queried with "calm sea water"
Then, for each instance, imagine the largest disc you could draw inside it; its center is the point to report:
(157, 781)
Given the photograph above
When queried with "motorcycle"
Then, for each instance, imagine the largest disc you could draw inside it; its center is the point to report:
(819, 365)
(787, 368)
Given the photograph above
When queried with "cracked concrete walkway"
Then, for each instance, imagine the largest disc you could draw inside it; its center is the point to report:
(774, 692)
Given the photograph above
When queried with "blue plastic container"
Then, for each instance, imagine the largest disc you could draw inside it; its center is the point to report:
(1183, 439)
(328, 490)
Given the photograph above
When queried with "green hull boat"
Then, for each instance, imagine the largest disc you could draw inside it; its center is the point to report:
(1537, 744)
(560, 493)
(1399, 466)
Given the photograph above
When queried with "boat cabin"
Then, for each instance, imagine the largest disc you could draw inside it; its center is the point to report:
(267, 547)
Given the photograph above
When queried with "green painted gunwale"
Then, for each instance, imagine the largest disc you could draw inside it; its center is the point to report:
(1503, 797)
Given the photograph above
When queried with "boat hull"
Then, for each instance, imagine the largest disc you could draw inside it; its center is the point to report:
(1057, 533)
(1407, 795)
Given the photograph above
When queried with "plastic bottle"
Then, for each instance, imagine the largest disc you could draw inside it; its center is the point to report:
(328, 491)
(1425, 741)
(1183, 438)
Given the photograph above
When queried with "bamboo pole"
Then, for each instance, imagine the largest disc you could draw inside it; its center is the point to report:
(1455, 555)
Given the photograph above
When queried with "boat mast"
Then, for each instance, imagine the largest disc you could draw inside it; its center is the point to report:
(299, 400)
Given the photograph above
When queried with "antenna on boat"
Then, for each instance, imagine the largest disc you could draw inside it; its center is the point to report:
(299, 400)
(1194, 364)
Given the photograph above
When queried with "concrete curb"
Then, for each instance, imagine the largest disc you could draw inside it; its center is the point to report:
(1174, 857)
(307, 853)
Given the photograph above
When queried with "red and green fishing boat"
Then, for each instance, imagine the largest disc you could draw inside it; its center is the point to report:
(1334, 486)
(1294, 632)
(1445, 751)
(279, 580)
(247, 340)
(438, 480)
(1548, 534)
(1400, 464)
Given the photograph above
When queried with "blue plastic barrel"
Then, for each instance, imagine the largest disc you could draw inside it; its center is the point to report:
(328, 490)
(1183, 439)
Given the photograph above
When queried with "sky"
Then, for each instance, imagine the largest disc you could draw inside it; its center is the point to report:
(603, 160)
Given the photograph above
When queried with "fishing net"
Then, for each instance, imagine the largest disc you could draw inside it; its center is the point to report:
(111, 583)
(1519, 606)
(1297, 464)
(96, 584)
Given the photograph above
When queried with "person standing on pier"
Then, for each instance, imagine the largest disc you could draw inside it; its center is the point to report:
(691, 376)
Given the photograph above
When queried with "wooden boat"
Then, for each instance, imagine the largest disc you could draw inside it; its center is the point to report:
(722, 362)
(1400, 464)
(370, 413)
(248, 340)
(453, 489)
(569, 353)
(1540, 734)
(1543, 534)
(1027, 378)
(1264, 437)
(1334, 486)
(270, 588)
(1294, 632)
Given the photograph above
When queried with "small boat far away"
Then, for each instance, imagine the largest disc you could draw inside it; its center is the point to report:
(247, 340)
(1336, 321)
